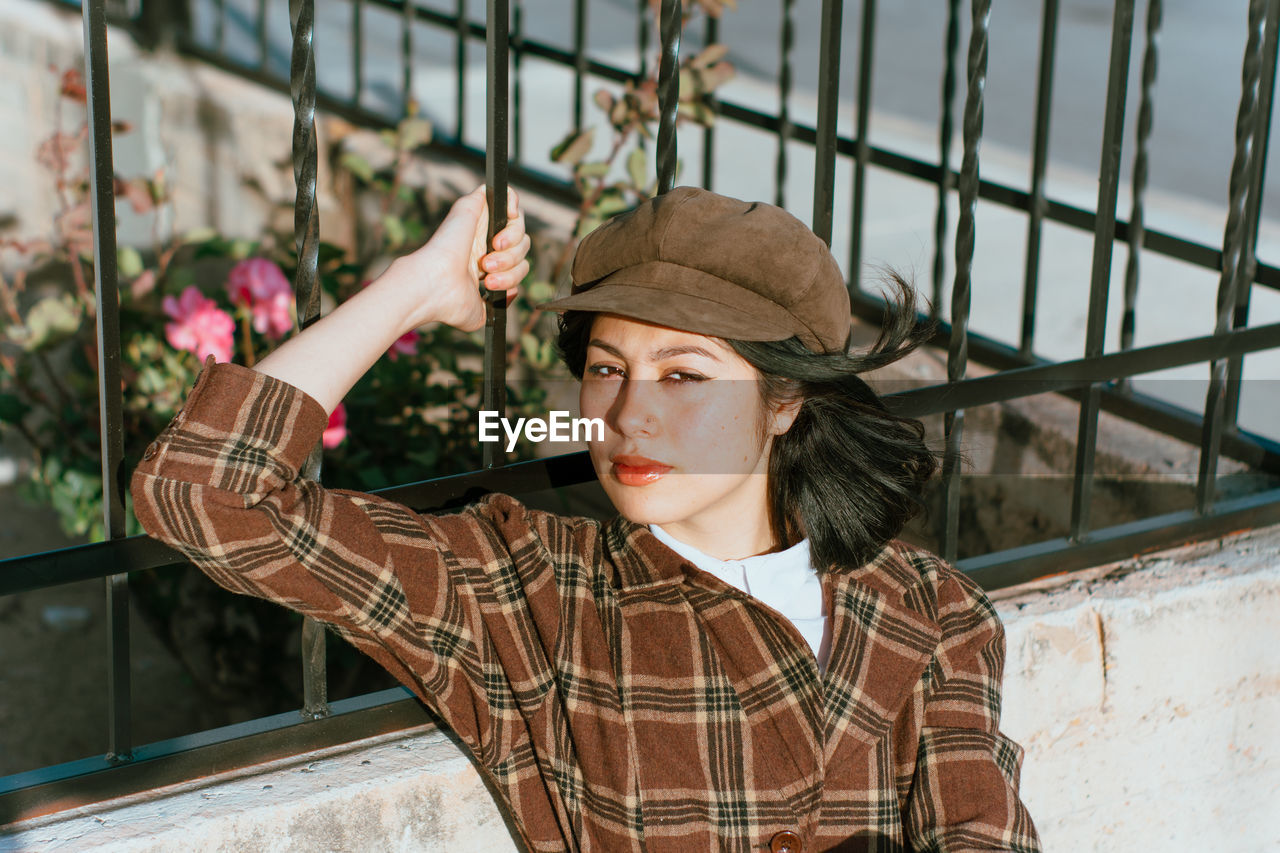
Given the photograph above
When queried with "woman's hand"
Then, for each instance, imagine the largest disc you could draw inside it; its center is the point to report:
(453, 265)
(438, 283)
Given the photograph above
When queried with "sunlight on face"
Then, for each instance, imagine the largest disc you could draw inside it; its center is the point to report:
(687, 439)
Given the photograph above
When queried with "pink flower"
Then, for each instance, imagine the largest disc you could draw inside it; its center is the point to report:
(406, 344)
(199, 326)
(259, 285)
(336, 431)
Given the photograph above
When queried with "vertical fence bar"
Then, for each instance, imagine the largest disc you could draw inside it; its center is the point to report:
(946, 133)
(460, 69)
(824, 165)
(220, 25)
(1039, 163)
(407, 106)
(110, 406)
(497, 43)
(642, 37)
(1249, 251)
(668, 92)
(1103, 247)
(784, 103)
(1233, 240)
(306, 285)
(260, 25)
(517, 85)
(862, 150)
(1141, 168)
(579, 59)
(966, 230)
(357, 51)
(711, 36)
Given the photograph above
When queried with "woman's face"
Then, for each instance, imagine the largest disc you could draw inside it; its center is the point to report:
(687, 439)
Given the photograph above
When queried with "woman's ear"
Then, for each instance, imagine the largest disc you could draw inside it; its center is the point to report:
(785, 414)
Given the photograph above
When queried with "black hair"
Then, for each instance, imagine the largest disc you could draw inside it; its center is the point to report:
(849, 473)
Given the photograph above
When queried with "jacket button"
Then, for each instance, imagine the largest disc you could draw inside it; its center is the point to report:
(786, 842)
(151, 450)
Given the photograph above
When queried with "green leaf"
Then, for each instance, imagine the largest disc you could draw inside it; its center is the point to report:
(574, 147)
(414, 132)
(541, 291)
(529, 346)
(638, 168)
(393, 226)
(199, 235)
(12, 408)
(129, 262)
(592, 170)
(611, 202)
(357, 165)
(52, 319)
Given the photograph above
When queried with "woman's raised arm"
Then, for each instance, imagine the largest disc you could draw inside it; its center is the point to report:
(440, 282)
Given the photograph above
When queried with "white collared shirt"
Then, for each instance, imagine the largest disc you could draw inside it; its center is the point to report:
(784, 580)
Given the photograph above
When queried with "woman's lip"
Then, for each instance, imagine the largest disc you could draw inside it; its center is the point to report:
(638, 470)
(634, 461)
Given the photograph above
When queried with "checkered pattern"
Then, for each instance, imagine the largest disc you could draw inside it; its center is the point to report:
(619, 698)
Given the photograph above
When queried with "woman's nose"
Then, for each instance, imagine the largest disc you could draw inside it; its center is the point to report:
(634, 410)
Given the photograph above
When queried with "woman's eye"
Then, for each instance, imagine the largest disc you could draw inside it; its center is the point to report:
(604, 371)
(682, 377)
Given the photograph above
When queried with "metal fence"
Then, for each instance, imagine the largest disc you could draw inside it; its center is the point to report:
(1098, 380)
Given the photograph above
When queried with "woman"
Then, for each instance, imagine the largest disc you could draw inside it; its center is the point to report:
(744, 659)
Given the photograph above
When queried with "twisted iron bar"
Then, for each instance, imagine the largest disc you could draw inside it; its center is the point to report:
(958, 347)
(1233, 241)
(496, 169)
(460, 69)
(862, 145)
(407, 106)
(1037, 204)
(784, 98)
(946, 132)
(306, 285)
(710, 37)
(668, 92)
(306, 221)
(1103, 250)
(642, 37)
(357, 51)
(1253, 214)
(825, 142)
(579, 60)
(1141, 170)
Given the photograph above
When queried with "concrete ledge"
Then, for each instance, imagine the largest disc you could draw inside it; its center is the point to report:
(409, 791)
(1145, 694)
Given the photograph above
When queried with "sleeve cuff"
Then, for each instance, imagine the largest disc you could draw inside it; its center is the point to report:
(234, 420)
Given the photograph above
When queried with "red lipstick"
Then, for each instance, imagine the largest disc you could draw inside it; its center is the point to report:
(637, 470)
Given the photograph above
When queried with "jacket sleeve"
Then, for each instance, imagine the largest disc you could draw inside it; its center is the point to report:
(221, 484)
(964, 796)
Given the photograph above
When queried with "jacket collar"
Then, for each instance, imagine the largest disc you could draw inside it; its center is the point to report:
(644, 563)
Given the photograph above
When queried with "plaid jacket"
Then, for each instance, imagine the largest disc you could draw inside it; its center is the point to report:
(619, 698)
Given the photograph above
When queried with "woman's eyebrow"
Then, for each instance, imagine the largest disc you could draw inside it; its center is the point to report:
(657, 355)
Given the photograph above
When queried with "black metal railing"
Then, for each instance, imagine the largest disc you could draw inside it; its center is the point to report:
(1098, 380)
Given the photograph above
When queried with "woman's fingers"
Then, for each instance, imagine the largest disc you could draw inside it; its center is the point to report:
(505, 259)
(507, 279)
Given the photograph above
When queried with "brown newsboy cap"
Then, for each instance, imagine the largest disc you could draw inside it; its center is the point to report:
(701, 262)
